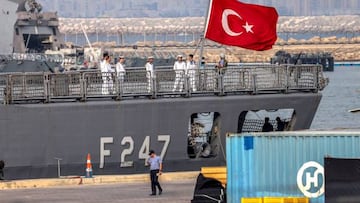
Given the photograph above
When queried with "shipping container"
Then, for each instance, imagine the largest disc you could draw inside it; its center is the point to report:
(284, 164)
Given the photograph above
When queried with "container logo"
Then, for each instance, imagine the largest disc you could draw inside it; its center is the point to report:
(311, 179)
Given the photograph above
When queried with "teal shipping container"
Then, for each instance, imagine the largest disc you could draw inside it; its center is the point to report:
(284, 164)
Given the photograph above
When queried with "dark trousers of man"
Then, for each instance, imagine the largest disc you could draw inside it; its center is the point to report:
(1, 174)
(155, 181)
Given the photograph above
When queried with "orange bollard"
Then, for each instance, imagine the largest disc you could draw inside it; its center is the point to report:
(89, 172)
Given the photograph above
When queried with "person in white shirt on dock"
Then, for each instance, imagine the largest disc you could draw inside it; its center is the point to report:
(191, 71)
(149, 67)
(179, 68)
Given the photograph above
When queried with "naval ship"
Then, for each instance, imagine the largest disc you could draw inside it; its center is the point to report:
(51, 121)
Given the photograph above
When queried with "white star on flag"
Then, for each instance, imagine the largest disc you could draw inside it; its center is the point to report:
(248, 27)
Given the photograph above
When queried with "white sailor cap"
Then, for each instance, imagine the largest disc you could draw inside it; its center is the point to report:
(150, 57)
(179, 56)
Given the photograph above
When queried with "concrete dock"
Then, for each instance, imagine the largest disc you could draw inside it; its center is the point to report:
(178, 187)
(105, 179)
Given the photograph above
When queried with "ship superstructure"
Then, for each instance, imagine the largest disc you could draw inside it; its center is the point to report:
(32, 35)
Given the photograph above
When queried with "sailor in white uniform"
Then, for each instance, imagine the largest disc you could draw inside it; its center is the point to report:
(179, 68)
(149, 67)
(120, 70)
(103, 70)
(191, 71)
(106, 74)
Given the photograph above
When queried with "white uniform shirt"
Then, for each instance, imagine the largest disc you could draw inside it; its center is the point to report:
(120, 70)
(191, 65)
(107, 68)
(150, 68)
(103, 67)
(180, 65)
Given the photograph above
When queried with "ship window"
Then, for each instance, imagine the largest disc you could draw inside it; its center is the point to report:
(203, 135)
(17, 31)
(253, 121)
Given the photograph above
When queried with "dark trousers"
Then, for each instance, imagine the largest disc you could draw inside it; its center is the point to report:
(154, 181)
(1, 174)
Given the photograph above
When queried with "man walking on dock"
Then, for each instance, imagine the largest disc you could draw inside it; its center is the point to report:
(155, 163)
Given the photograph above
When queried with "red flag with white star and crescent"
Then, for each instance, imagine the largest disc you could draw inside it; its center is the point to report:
(234, 23)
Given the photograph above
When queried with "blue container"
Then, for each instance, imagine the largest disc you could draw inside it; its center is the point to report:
(284, 164)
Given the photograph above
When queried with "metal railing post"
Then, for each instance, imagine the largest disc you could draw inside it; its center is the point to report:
(82, 87)
(254, 76)
(10, 90)
(221, 83)
(7, 90)
(23, 86)
(121, 86)
(287, 78)
(186, 84)
(316, 75)
(115, 85)
(154, 86)
(47, 87)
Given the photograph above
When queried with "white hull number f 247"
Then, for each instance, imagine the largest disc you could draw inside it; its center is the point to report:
(128, 142)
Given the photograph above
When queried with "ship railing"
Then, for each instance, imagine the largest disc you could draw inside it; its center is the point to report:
(101, 85)
(268, 78)
(304, 77)
(97, 84)
(207, 80)
(169, 81)
(64, 86)
(135, 83)
(6, 57)
(254, 79)
(25, 87)
(33, 57)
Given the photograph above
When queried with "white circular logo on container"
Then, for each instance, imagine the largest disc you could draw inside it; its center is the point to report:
(311, 179)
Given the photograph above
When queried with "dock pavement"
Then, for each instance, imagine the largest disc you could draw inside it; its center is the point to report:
(177, 186)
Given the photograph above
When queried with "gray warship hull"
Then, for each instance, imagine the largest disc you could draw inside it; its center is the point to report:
(48, 117)
(118, 134)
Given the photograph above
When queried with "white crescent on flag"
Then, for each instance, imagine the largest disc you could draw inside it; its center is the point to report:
(225, 23)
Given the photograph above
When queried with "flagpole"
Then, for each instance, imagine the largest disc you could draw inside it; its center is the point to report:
(202, 39)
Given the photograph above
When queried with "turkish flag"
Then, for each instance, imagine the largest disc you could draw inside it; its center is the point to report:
(234, 23)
